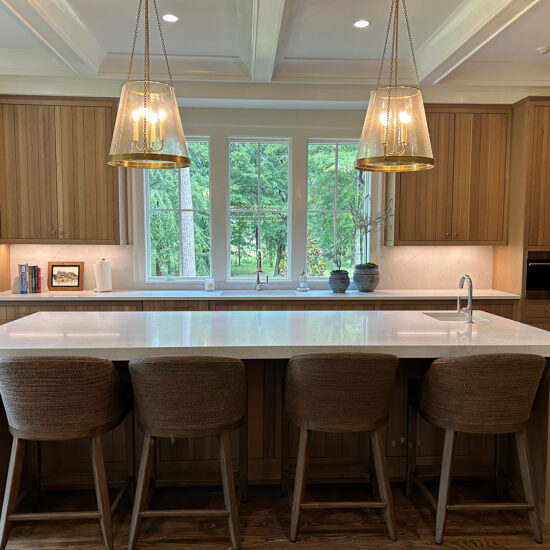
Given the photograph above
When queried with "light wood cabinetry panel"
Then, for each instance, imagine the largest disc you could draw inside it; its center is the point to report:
(479, 180)
(292, 305)
(424, 198)
(87, 197)
(538, 229)
(175, 305)
(462, 200)
(28, 207)
(55, 183)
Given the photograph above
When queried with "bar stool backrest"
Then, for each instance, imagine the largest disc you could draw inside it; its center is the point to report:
(339, 392)
(189, 396)
(56, 398)
(490, 393)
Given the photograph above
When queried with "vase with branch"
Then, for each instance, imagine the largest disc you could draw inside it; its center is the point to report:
(366, 275)
(339, 278)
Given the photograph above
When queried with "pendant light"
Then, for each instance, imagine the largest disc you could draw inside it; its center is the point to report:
(395, 133)
(148, 131)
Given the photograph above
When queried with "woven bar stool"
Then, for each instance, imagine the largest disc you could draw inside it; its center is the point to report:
(55, 399)
(340, 392)
(484, 394)
(187, 397)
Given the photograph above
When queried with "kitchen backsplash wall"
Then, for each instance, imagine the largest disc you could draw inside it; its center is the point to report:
(402, 267)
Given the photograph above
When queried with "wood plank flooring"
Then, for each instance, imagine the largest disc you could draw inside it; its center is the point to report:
(265, 523)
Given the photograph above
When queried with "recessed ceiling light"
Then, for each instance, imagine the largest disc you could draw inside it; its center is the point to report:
(361, 24)
(170, 17)
(543, 50)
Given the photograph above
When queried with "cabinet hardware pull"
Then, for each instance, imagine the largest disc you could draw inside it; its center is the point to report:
(531, 264)
(456, 234)
(447, 234)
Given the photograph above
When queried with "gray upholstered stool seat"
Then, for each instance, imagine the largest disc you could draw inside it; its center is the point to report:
(485, 394)
(340, 392)
(55, 399)
(189, 397)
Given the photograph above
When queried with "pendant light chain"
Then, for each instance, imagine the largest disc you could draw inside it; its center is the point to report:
(381, 70)
(134, 41)
(162, 42)
(411, 44)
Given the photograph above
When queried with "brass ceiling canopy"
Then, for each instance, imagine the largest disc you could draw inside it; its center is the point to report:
(148, 131)
(395, 133)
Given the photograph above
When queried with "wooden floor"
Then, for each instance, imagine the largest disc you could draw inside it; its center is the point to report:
(265, 523)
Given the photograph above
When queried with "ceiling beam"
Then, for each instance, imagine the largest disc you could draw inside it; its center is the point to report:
(472, 25)
(61, 29)
(267, 16)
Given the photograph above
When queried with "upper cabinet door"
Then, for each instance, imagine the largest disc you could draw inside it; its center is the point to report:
(87, 197)
(28, 207)
(424, 199)
(538, 230)
(479, 178)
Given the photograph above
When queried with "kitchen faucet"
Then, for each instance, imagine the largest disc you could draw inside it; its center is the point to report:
(469, 308)
(259, 283)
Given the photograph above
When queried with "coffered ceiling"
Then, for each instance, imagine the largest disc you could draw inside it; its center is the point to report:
(278, 52)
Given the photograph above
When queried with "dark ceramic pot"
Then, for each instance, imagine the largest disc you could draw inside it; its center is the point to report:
(338, 281)
(366, 278)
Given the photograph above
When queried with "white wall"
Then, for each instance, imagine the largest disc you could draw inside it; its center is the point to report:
(402, 267)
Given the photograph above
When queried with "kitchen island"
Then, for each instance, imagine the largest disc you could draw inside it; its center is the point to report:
(265, 340)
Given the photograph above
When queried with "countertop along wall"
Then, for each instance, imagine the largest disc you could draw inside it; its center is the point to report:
(402, 267)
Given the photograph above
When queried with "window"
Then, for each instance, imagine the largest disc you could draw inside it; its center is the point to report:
(258, 207)
(177, 210)
(335, 188)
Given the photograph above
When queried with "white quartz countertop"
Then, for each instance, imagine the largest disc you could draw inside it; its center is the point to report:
(451, 294)
(264, 334)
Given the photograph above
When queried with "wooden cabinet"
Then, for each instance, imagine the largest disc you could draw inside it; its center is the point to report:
(462, 200)
(538, 220)
(55, 183)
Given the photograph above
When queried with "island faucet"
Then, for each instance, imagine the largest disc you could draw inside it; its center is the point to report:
(469, 308)
(259, 283)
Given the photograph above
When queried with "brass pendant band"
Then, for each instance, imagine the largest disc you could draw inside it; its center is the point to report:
(148, 160)
(398, 164)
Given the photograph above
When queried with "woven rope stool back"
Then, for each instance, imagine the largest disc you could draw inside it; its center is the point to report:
(189, 396)
(490, 393)
(59, 398)
(338, 392)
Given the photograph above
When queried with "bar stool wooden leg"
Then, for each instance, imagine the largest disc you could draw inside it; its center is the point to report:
(12, 488)
(300, 482)
(285, 455)
(229, 489)
(102, 491)
(372, 474)
(383, 481)
(142, 487)
(527, 479)
(412, 419)
(130, 437)
(243, 461)
(444, 483)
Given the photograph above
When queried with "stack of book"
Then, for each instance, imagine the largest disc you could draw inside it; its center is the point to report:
(30, 279)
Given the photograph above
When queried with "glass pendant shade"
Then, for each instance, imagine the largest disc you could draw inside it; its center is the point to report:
(395, 133)
(148, 131)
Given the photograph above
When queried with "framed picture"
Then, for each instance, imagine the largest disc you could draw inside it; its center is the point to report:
(66, 275)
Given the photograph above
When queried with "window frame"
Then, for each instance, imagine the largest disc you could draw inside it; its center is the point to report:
(149, 278)
(369, 184)
(257, 140)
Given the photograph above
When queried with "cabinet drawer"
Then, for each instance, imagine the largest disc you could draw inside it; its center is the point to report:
(537, 308)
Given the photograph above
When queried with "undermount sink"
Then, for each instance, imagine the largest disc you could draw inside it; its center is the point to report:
(452, 316)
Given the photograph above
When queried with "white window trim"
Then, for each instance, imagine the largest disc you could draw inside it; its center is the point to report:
(219, 215)
(340, 141)
(263, 139)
